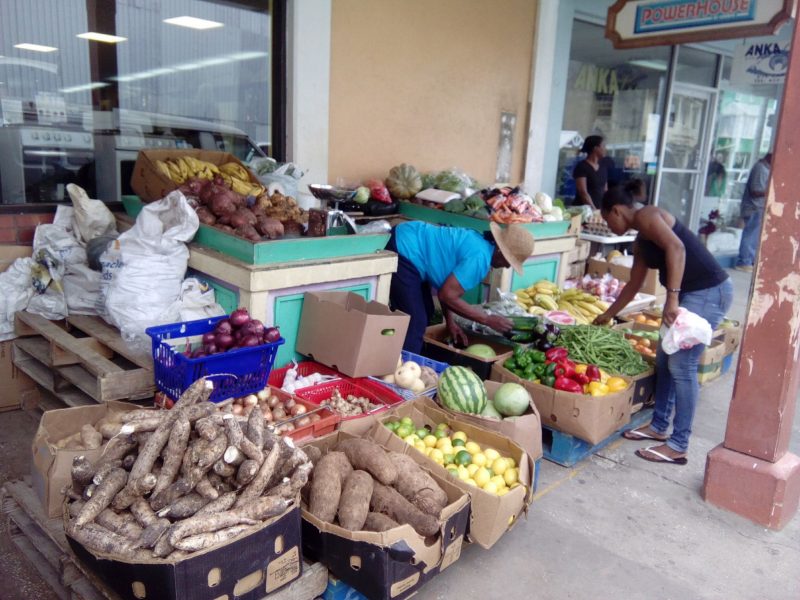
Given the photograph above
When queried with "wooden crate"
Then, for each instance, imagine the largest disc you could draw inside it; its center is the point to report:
(81, 359)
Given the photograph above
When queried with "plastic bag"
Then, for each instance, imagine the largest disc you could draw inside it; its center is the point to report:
(92, 217)
(153, 257)
(81, 287)
(15, 293)
(283, 178)
(506, 305)
(688, 330)
(381, 226)
(197, 301)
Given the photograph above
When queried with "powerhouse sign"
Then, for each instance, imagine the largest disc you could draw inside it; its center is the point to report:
(634, 23)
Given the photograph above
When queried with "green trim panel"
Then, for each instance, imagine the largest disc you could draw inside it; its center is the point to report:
(534, 270)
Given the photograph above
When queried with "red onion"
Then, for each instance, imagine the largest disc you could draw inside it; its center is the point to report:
(209, 338)
(249, 341)
(271, 334)
(250, 328)
(210, 348)
(239, 317)
(224, 340)
(199, 353)
(257, 327)
(223, 326)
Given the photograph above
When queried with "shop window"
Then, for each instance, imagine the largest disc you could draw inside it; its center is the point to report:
(618, 94)
(106, 78)
(696, 66)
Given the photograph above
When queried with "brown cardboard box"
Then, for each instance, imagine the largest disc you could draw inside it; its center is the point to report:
(492, 515)
(8, 254)
(437, 347)
(644, 387)
(248, 567)
(15, 382)
(732, 336)
(651, 285)
(575, 224)
(151, 184)
(526, 430)
(355, 337)
(580, 253)
(589, 418)
(51, 465)
(393, 564)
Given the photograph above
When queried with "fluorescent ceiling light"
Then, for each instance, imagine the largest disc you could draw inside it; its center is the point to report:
(190, 66)
(193, 22)
(84, 87)
(35, 47)
(655, 65)
(102, 37)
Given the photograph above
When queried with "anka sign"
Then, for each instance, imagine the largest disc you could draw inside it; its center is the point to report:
(637, 23)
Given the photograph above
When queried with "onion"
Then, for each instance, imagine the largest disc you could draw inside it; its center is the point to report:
(289, 403)
(239, 317)
(223, 326)
(249, 341)
(298, 409)
(272, 334)
(267, 414)
(263, 394)
(314, 417)
(250, 400)
(210, 348)
(237, 409)
(279, 413)
(209, 337)
(273, 401)
(288, 426)
(224, 341)
(258, 326)
(199, 353)
(250, 328)
(303, 422)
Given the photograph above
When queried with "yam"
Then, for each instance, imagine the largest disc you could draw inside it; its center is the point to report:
(163, 548)
(259, 483)
(134, 490)
(313, 453)
(330, 474)
(82, 473)
(223, 469)
(195, 543)
(118, 524)
(214, 451)
(154, 533)
(256, 428)
(379, 522)
(247, 472)
(291, 486)
(100, 539)
(90, 437)
(171, 494)
(390, 502)
(74, 508)
(141, 511)
(88, 491)
(417, 486)
(355, 499)
(368, 456)
(206, 429)
(128, 461)
(205, 488)
(102, 497)
(184, 507)
(141, 413)
(101, 472)
(173, 454)
(116, 449)
(237, 438)
(221, 504)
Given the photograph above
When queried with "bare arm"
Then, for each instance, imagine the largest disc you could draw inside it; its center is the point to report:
(583, 193)
(638, 274)
(450, 297)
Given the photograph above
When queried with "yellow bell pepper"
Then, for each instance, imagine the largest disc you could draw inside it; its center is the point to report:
(581, 368)
(603, 376)
(616, 384)
(598, 389)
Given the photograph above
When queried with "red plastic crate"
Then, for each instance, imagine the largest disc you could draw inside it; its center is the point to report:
(376, 393)
(329, 420)
(304, 369)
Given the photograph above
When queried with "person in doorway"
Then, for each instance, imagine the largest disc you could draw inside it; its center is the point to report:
(452, 260)
(755, 193)
(591, 175)
(716, 178)
(694, 281)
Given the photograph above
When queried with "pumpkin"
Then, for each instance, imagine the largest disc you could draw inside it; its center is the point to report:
(404, 181)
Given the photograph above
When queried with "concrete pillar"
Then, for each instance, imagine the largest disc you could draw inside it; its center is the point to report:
(751, 472)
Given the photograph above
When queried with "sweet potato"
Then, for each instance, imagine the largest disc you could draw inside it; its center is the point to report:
(368, 456)
(102, 497)
(417, 486)
(205, 216)
(271, 228)
(354, 501)
(390, 502)
(379, 522)
(326, 487)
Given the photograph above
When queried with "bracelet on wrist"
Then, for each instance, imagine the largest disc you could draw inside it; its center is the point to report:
(674, 290)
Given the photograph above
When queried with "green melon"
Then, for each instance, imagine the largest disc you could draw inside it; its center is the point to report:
(490, 412)
(481, 350)
(460, 389)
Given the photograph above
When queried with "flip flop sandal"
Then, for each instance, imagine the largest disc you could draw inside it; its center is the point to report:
(635, 434)
(658, 457)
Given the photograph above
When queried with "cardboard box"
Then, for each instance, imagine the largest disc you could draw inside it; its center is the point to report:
(710, 364)
(589, 418)
(8, 254)
(151, 184)
(15, 382)
(247, 568)
(575, 224)
(580, 253)
(50, 471)
(355, 337)
(651, 285)
(525, 430)
(492, 515)
(437, 346)
(732, 335)
(576, 270)
(392, 564)
(644, 387)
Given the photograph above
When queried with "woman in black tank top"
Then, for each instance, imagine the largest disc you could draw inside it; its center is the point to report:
(694, 281)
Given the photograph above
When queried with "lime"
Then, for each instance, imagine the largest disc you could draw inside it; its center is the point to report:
(392, 425)
(404, 430)
(422, 433)
(407, 421)
(440, 433)
(453, 471)
(463, 458)
(458, 442)
(449, 459)
(460, 435)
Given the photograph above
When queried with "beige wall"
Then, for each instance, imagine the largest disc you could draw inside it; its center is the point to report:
(424, 82)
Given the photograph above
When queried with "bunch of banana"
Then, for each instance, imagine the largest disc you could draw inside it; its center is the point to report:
(544, 296)
(186, 167)
(238, 179)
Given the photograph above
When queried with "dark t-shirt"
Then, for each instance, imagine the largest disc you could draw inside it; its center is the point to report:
(595, 180)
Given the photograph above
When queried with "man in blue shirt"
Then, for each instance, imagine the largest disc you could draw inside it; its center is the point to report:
(755, 193)
(451, 260)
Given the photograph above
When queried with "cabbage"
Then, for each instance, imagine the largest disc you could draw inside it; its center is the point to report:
(544, 202)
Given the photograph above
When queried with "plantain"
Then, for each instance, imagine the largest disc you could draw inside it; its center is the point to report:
(163, 169)
(545, 301)
(592, 308)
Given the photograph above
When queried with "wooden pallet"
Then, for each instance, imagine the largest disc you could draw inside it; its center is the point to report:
(42, 541)
(81, 360)
(567, 450)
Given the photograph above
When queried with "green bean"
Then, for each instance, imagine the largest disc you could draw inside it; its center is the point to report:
(606, 348)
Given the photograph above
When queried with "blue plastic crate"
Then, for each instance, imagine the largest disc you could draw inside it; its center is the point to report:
(422, 361)
(727, 363)
(235, 373)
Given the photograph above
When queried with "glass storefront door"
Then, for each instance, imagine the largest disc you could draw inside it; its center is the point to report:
(681, 178)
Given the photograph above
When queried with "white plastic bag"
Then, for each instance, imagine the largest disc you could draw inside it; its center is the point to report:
(81, 289)
(92, 217)
(153, 257)
(687, 330)
(197, 301)
(15, 293)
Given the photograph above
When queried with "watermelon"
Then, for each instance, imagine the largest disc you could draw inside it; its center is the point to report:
(512, 400)
(481, 350)
(461, 390)
(490, 412)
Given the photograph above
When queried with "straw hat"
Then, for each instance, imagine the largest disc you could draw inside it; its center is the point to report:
(515, 243)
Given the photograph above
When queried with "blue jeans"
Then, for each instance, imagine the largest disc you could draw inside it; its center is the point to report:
(676, 374)
(750, 238)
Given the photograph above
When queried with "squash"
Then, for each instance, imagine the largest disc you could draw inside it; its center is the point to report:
(404, 181)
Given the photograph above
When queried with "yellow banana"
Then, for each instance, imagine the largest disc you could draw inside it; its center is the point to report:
(546, 283)
(546, 291)
(545, 301)
(175, 173)
(163, 169)
(184, 167)
(592, 308)
(602, 305)
(536, 310)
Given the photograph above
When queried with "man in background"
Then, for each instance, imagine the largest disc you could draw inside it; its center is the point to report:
(755, 193)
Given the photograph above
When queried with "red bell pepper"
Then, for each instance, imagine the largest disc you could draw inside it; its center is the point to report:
(593, 372)
(580, 378)
(556, 354)
(565, 368)
(568, 385)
